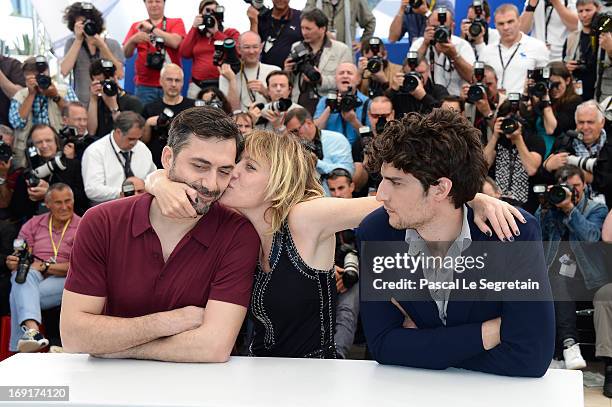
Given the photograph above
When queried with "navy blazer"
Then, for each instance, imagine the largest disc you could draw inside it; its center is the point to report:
(527, 328)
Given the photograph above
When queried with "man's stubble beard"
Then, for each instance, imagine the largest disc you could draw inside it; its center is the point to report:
(201, 208)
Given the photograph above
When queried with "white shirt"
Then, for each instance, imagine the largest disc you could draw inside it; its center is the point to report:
(556, 33)
(530, 54)
(444, 73)
(102, 168)
(260, 72)
(493, 40)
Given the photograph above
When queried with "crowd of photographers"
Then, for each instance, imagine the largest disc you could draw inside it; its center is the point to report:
(538, 87)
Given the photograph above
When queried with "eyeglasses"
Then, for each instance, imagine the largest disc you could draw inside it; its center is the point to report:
(296, 132)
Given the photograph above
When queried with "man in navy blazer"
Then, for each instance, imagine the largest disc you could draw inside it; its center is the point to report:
(432, 165)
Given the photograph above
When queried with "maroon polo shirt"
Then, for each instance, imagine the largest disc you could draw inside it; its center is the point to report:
(117, 255)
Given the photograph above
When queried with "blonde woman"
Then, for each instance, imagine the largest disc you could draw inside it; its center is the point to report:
(275, 186)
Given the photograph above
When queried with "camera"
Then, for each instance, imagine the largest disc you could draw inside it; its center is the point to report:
(442, 33)
(128, 189)
(585, 163)
(89, 26)
(304, 62)
(602, 23)
(42, 80)
(69, 134)
(581, 66)
(5, 152)
(257, 5)
(380, 124)
(155, 60)
(349, 101)
(351, 269)
(281, 105)
(555, 195)
(109, 86)
(165, 117)
(478, 90)
(22, 251)
(511, 123)
(541, 76)
(366, 136)
(332, 102)
(219, 53)
(479, 24)
(375, 64)
(56, 164)
(412, 78)
(230, 56)
(211, 19)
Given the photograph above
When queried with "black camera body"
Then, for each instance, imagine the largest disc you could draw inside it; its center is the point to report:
(219, 53)
(109, 86)
(281, 105)
(442, 33)
(225, 53)
(212, 19)
(22, 251)
(69, 134)
(602, 23)
(304, 62)
(478, 90)
(479, 25)
(257, 5)
(165, 118)
(541, 76)
(511, 122)
(5, 152)
(375, 63)
(555, 195)
(89, 26)
(349, 100)
(155, 60)
(42, 80)
(412, 78)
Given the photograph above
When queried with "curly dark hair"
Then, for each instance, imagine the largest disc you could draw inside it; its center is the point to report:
(439, 144)
(75, 10)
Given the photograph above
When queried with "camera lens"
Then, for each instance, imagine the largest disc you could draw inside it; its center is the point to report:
(43, 81)
(109, 87)
(90, 28)
(475, 29)
(475, 93)
(374, 65)
(411, 81)
(557, 194)
(509, 125)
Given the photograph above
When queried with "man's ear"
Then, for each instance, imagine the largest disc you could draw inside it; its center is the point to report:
(167, 157)
(441, 191)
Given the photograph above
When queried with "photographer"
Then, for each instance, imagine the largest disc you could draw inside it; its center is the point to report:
(374, 68)
(411, 18)
(514, 154)
(199, 45)
(587, 142)
(332, 149)
(516, 52)
(247, 85)
(580, 51)
(348, 112)
(341, 185)
(481, 99)
(156, 40)
(212, 96)
(412, 90)
(50, 238)
(9, 219)
(476, 27)
(107, 98)
(244, 121)
(159, 113)
(314, 61)
(450, 57)
(571, 223)
(278, 27)
(272, 115)
(550, 21)
(74, 135)
(11, 81)
(40, 102)
(87, 45)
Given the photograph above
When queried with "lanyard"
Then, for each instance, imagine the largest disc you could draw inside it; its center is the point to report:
(122, 163)
(550, 11)
(56, 248)
(505, 66)
(246, 83)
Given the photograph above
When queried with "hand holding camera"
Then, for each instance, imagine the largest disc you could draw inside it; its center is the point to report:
(198, 21)
(37, 192)
(79, 34)
(156, 60)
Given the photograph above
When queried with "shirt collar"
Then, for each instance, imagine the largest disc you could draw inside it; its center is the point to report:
(115, 145)
(204, 231)
(416, 243)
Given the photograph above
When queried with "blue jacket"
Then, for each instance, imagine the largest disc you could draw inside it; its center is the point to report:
(527, 328)
(584, 224)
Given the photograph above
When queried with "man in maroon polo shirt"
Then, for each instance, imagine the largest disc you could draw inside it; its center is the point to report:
(142, 285)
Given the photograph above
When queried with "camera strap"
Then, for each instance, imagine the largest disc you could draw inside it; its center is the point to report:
(246, 83)
(91, 56)
(548, 16)
(126, 163)
(274, 31)
(505, 65)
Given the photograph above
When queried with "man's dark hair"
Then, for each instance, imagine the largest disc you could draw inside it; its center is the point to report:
(568, 171)
(454, 99)
(316, 16)
(126, 120)
(75, 10)
(365, 45)
(300, 113)
(279, 73)
(96, 68)
(440, 144)
(67, 106)
(42, 126)
(29, 65)
(204, 122)
(226, 106)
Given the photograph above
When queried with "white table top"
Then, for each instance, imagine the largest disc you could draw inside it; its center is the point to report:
(280, 382)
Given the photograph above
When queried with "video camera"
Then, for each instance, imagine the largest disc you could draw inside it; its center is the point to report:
(442, 33)
(478, 90)
(376, 63)
(42, 80)
(89, 26)
(479, 24)
(22, 251)
(304, 62)
(212, 19)
(541, 76)
(155, 60)
(412, 78)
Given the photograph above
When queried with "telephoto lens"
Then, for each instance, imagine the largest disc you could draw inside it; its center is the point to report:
(351, 269)
(281, 105)
(231, 57)
(165, 117)
(22, 251)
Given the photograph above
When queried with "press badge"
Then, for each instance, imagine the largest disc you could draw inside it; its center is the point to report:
(568, 266)
(268, 45)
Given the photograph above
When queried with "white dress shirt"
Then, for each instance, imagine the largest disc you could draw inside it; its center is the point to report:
(102, 168)
(554, 33)
(260, 73)
(527, 53)
(444, 73)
